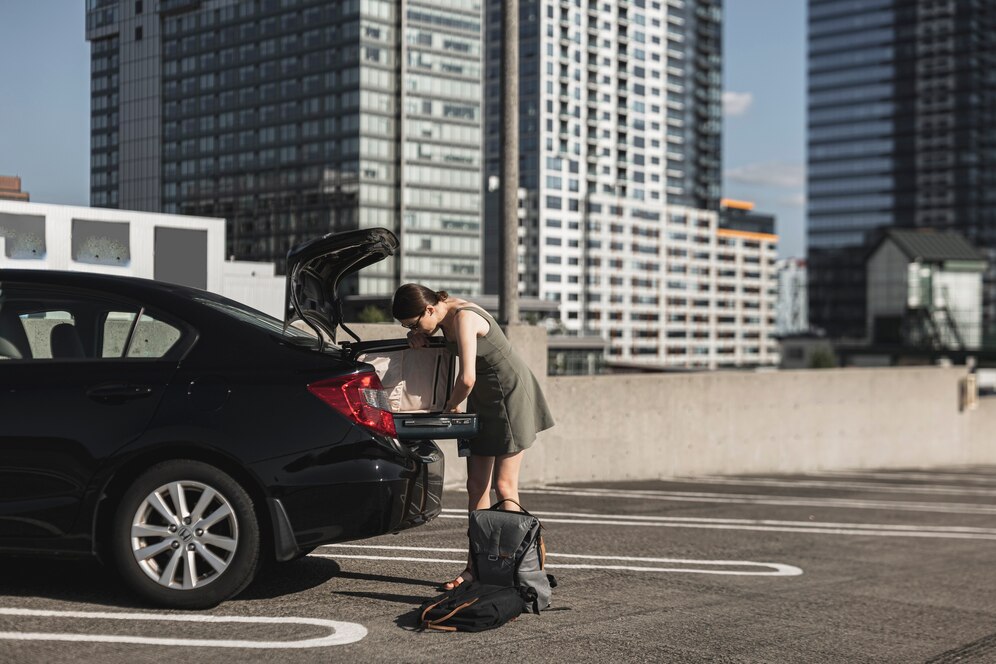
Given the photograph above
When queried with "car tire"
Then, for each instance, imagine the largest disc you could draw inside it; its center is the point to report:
(185, 535)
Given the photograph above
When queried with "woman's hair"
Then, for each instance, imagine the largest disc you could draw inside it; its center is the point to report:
(410, 300)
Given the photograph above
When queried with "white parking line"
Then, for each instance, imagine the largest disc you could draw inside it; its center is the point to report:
(340, 633)
(755, 499)
(841, 485)
(770, 525)
(769, 569)
(972, 478)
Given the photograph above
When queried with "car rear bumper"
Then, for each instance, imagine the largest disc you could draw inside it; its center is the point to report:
(315, 504)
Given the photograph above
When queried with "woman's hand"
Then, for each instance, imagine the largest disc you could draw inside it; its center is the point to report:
(417, 339)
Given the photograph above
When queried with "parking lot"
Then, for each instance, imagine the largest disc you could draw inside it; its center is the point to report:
(886, 566)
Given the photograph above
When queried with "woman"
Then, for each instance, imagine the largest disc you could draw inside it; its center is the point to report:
(497, 384)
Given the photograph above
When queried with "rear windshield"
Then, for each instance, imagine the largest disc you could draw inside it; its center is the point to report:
(255, 318)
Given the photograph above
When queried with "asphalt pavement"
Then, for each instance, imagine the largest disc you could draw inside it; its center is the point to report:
(867, 566)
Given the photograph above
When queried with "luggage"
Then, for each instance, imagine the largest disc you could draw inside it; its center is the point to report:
(473, 607)
(416, 386)
(506, 549)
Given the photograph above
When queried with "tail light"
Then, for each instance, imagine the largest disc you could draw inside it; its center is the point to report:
(360, 397)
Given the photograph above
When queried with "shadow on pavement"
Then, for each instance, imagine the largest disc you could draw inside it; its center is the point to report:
(387, 579)
(87, 581)
(411, 620)
(385, 597)
(79, 580)
(277, 579)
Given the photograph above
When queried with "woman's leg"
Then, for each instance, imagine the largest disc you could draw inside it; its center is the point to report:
(507, 478)
(479, 472)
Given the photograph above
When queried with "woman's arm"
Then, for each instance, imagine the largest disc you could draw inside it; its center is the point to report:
(467, 332)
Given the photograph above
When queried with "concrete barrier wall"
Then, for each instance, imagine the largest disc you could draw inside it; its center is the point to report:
(649, 426)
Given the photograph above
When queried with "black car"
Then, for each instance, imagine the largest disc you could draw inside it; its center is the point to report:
(185, 438)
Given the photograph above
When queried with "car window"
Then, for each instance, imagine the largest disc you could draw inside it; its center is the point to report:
(117, 326)
(41, 323)
(38, 327)
(149, 338)
(152, 338)
(253, 317)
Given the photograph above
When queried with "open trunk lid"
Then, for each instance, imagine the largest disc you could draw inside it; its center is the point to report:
(317, 267)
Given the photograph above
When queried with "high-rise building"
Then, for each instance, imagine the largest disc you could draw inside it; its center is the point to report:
(620, 119)
(294, 118)
(902, 129)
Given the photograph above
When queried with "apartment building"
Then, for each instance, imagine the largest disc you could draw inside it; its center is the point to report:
(620, 126)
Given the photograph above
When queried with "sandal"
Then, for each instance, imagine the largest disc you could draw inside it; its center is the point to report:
(463, 577)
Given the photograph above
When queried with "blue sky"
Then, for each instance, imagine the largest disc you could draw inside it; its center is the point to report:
(44, 115)
(764, 137)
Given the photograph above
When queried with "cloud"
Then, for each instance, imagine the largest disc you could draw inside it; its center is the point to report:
(736, 103)
(769, 174)
(798, 199)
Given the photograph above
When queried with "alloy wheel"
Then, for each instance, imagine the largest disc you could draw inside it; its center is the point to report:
(184, 535)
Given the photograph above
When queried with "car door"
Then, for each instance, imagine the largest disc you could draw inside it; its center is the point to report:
(90, 373)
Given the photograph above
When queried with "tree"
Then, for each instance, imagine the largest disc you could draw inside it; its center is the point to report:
(372, 314)
(822, 358)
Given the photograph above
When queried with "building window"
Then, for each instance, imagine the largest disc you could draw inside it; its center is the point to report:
(138, 6)
(138, 33)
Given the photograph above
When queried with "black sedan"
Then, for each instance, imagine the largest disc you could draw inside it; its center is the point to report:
(184, 438)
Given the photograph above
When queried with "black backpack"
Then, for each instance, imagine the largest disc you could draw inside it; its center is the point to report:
(474, 607)
(506, 549)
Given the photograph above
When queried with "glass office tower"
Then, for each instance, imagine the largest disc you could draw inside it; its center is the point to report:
(902, 132)
(294, 118)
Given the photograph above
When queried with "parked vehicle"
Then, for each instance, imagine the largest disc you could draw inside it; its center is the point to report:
(184, 438)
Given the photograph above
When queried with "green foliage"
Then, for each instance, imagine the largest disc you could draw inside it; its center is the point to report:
(372, 314)
(822, 358)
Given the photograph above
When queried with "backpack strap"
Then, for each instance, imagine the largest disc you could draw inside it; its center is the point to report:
(509, 500)
(435, 624)
(430, 608)
(494, 545)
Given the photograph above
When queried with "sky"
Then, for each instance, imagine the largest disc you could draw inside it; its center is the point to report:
(44, 111)
(764, 100)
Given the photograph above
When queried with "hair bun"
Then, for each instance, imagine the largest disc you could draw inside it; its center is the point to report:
(442, 295)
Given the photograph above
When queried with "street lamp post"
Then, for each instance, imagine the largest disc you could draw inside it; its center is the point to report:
(508, 301)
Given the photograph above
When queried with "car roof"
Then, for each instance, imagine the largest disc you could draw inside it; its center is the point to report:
(171, 297)
(116, 283)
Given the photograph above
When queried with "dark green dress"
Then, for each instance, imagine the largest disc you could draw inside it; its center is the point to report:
(507, 398)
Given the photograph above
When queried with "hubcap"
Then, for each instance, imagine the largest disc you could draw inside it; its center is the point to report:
(183, 547)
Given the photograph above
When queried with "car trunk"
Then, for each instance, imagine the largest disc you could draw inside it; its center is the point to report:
(417, 382)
